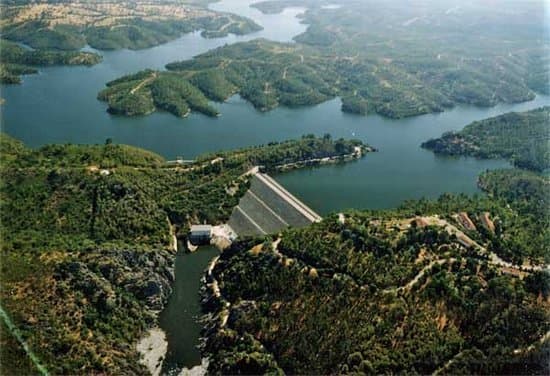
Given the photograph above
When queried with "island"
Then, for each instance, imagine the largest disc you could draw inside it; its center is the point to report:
(378, 58)
(522, 138)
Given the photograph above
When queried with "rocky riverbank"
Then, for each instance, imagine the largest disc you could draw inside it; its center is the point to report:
(147, 276)
(153, 349)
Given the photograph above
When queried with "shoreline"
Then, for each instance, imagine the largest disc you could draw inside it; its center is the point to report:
(359, 152)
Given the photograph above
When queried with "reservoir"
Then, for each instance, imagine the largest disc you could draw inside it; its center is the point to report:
(59, 105)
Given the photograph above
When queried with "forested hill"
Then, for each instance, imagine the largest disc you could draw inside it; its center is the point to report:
(415, 290)
(107, 25)
(16, 60)
(379, 57)
(87, 242)
(523, 138)
(267, 74)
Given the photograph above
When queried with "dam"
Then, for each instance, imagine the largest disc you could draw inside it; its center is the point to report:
(268, 208)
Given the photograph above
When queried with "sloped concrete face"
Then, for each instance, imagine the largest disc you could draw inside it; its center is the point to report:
(267, 208)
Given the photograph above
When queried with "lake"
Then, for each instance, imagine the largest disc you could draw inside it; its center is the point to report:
(59, 105)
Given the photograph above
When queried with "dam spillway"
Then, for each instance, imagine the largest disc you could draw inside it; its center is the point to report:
(268, 208)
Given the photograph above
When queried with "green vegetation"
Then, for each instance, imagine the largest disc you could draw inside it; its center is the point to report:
(145, 91)
(267, 74)
(381, 58)
(528, 194)
(138, 33)
(383, 292)
(527, 191)
(132, 24)
(13, 358)
(472, 53)
(355, 105)
(521, 138)
(11, 73)
(87, 239)
(16, 60)
(38, 35)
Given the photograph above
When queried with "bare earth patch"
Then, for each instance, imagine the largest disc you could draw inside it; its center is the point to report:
(153, 349)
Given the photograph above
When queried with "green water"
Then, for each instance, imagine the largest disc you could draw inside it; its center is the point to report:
(179, 318)
(59, 105)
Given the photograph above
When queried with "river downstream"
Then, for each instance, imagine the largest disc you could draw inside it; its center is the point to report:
(179, 319)
(59, 105)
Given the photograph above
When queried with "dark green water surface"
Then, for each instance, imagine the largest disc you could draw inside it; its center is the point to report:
(180, 316)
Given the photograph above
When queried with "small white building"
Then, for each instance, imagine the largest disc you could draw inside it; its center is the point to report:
(200, 234)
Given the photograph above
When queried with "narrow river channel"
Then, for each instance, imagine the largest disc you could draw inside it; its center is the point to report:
(179, 319)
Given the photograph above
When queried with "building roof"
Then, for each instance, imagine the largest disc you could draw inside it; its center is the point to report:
(201, 228)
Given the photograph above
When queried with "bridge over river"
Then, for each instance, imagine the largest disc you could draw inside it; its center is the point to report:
(267, 208)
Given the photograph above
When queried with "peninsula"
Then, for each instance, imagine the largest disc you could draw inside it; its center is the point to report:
(16, 60)
(378, 58)
(522, 138)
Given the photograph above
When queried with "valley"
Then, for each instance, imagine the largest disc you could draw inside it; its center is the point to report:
(427, 256)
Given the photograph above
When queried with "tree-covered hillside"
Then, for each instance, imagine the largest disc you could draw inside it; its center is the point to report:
(107, 25)
(379, 57)
(523, 138)
(415, 290)
(473, 52)
(267, 74)
(16, 60)
(87, 241)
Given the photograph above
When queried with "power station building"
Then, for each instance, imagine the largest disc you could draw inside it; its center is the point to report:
(200, 234)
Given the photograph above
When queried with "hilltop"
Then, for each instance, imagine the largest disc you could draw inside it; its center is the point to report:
(377, 57)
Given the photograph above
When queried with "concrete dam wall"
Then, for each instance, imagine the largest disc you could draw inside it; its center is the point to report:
(268, 208)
